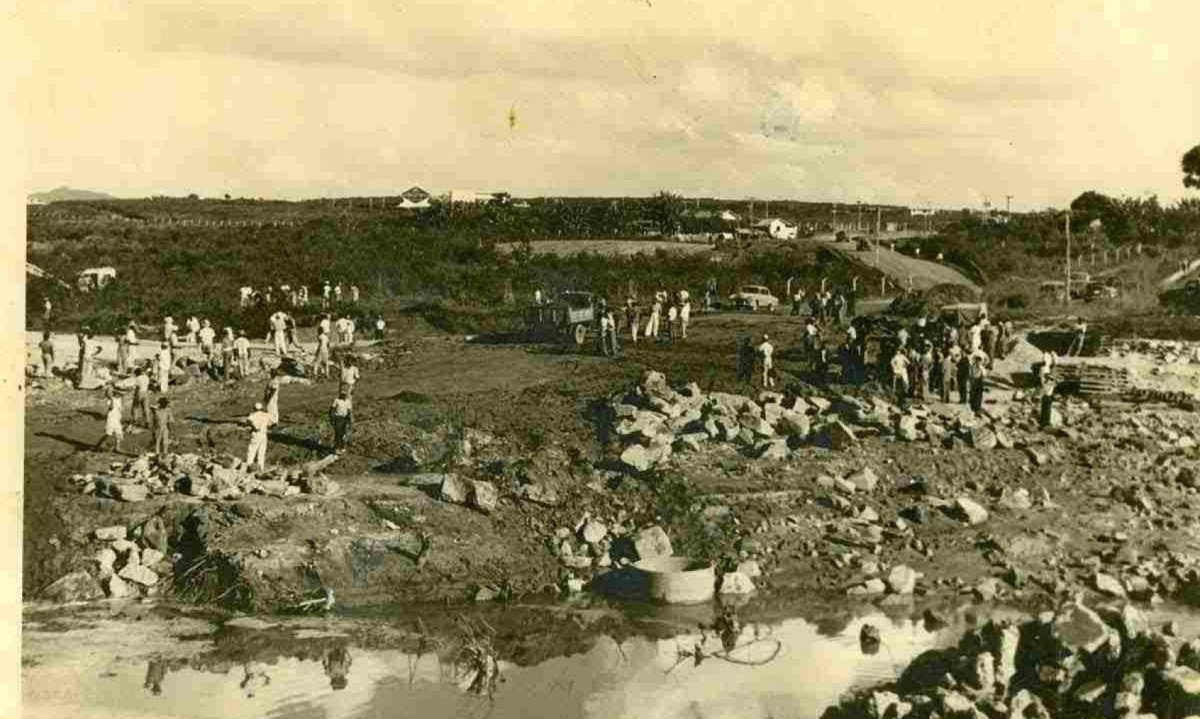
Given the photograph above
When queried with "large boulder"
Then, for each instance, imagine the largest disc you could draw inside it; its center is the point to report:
(774, 450)
(982, 437)
(1077, 628)
(118, 588)
(154, 534)
(652, 542)
(73, 587)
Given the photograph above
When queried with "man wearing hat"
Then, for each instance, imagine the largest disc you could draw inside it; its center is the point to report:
(259, 422)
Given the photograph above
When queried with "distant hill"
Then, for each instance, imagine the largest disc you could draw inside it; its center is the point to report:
(60, 194)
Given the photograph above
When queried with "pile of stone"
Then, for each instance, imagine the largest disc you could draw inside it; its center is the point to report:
(217, 478)
(1162, 351)
(1074, 662)
(127, 563)
(654, 420)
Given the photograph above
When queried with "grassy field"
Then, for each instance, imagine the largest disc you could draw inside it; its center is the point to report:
(609, 248)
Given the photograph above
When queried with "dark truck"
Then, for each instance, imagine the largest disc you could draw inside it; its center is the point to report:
(566, 319)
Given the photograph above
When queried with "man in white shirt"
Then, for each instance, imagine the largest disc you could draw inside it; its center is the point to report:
(206, 335)
(164, 367)
(767, 350)
(193, 328)
(241, 352)
(259, 422)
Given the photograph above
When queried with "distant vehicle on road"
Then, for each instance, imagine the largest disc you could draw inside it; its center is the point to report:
(754, 297)
(961, 314)
(570, 317)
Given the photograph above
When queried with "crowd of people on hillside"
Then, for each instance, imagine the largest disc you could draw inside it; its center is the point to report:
(332, 294)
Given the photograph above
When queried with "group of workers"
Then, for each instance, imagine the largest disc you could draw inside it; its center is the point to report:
(331, 294)
(227, 357)
(667, 320)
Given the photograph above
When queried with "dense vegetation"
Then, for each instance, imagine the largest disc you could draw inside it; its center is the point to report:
(174, 261)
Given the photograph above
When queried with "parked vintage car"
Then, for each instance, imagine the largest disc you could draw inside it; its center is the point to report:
(754, 297)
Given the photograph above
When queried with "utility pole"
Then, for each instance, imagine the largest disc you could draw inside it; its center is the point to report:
(1008, 204)
(858, 223)
(1068, 256)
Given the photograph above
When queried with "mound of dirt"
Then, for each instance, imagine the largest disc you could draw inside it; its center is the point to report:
(925, 303)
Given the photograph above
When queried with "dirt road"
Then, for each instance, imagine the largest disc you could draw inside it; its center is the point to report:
(903, 269)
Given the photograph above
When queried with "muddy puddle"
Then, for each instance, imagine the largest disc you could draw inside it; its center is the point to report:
(147, 663)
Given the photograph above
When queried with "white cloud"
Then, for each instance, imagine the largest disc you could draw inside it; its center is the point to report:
(906, 100)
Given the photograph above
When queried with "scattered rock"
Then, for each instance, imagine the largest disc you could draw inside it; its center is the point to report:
(118, 588)
(139, 575)
(902, 579)
(453, 490)
(483, 496)
(967, 510)
(864, 479)
(736, 583)
(110, 534)
(1108, 584)
(593, 531)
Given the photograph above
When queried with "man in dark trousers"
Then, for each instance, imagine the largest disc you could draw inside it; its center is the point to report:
(341, 416)
(745, 360)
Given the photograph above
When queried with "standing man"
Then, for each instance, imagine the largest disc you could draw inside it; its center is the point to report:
(193, 329)
(112, 419)
(259, 422)
(380, 327)
(1078, 340)
(766, 350)
(745, 359)
(321, 363)
(163, 421)
(633, 318)
(672, 322)
(655, 314)
(141, 396)
(324, 325)
(47, 312)
(337, 293)
(685, 313)
(279, 333)
(271, 397)
(206, 335)
(241, 351)
(326, 295)
(47, 349)
(354, 294)
(341, 416)
(1046, 392)
(164, 367)
(900, 376)
(978, 374)
(349, 376)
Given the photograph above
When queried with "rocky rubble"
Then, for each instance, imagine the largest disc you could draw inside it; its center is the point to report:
(654, 421)
(1078, 661)
(125, 563)
(212, 478)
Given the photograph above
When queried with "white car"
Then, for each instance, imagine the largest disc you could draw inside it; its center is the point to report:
(755, 297)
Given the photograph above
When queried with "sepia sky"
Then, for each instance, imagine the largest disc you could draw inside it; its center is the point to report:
(914, 102)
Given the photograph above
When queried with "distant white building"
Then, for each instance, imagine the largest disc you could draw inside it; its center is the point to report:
(778, 229)
(471, 196)
(729, 216)
(414, 198)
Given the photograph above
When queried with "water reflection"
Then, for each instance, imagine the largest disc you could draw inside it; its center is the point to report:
(725, 665)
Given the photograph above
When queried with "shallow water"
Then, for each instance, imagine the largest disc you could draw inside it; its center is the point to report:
(103, 666)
